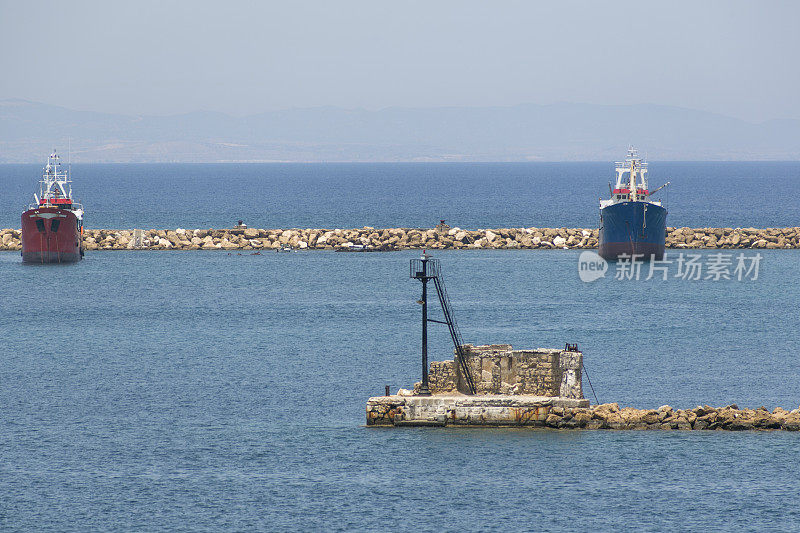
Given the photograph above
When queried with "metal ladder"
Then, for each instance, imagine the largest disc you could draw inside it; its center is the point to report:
(455, 334)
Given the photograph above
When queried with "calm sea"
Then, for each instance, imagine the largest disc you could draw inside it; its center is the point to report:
(470, 195)
(201, 391)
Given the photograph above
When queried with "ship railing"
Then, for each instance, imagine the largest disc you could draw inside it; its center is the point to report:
(74, 206)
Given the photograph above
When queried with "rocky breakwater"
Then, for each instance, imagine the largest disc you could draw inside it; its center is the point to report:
(368, 238)
(730, 418)
(770, 238)
(10, 239)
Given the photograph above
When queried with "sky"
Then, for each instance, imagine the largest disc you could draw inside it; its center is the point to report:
(737, 58)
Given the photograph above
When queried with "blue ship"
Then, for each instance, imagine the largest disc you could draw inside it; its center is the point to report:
(630, 222)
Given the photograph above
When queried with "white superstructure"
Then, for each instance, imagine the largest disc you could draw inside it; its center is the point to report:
(55, 188)
(631, 185)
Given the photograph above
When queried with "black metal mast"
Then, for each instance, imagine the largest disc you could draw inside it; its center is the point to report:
(422, 275)
(425, 269)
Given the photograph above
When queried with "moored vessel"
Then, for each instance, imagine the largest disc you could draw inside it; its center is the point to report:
(52, 227)
(630, 222)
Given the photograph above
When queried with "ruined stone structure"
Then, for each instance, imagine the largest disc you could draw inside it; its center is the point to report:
(542, 388)
(513, 387)
(498, 369)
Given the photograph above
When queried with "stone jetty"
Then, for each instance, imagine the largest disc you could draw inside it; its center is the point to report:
(388, 239)
(407, 409)
(543, 388)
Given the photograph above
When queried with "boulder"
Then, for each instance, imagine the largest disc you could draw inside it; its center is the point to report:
(607, 408)
(582, 418)
(631, 415)
(651, 417)
(552, 420)
(791, 422)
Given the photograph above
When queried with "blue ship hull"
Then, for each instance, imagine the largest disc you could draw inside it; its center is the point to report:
(632, 228)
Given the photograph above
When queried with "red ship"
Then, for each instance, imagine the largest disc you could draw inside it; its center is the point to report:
(52, 228)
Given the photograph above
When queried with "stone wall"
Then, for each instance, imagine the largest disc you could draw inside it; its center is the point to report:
(499, 369)
(442, 376)
(407, 238)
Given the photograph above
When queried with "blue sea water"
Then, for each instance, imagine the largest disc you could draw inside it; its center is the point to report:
(201, 391)
(468, 195)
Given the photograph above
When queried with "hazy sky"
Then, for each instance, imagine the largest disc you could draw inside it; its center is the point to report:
(163, 57)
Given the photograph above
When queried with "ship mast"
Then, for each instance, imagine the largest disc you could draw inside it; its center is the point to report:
(632, 178)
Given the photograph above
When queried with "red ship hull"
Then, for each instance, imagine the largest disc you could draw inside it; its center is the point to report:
(51, 235)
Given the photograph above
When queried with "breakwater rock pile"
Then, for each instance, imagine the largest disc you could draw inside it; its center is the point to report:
(372, 239)
(407, 409)
(610, 416)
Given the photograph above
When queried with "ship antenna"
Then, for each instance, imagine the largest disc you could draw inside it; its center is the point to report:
(69, 164)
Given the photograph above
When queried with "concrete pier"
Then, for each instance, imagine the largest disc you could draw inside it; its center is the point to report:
(463, 410)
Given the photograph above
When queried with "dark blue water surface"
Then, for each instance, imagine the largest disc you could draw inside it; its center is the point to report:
(178, 391)
(469, 195)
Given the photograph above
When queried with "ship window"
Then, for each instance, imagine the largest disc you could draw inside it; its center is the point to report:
(54, 225)
(40, 225)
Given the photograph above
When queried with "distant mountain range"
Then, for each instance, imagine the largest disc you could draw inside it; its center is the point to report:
(525, 132)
